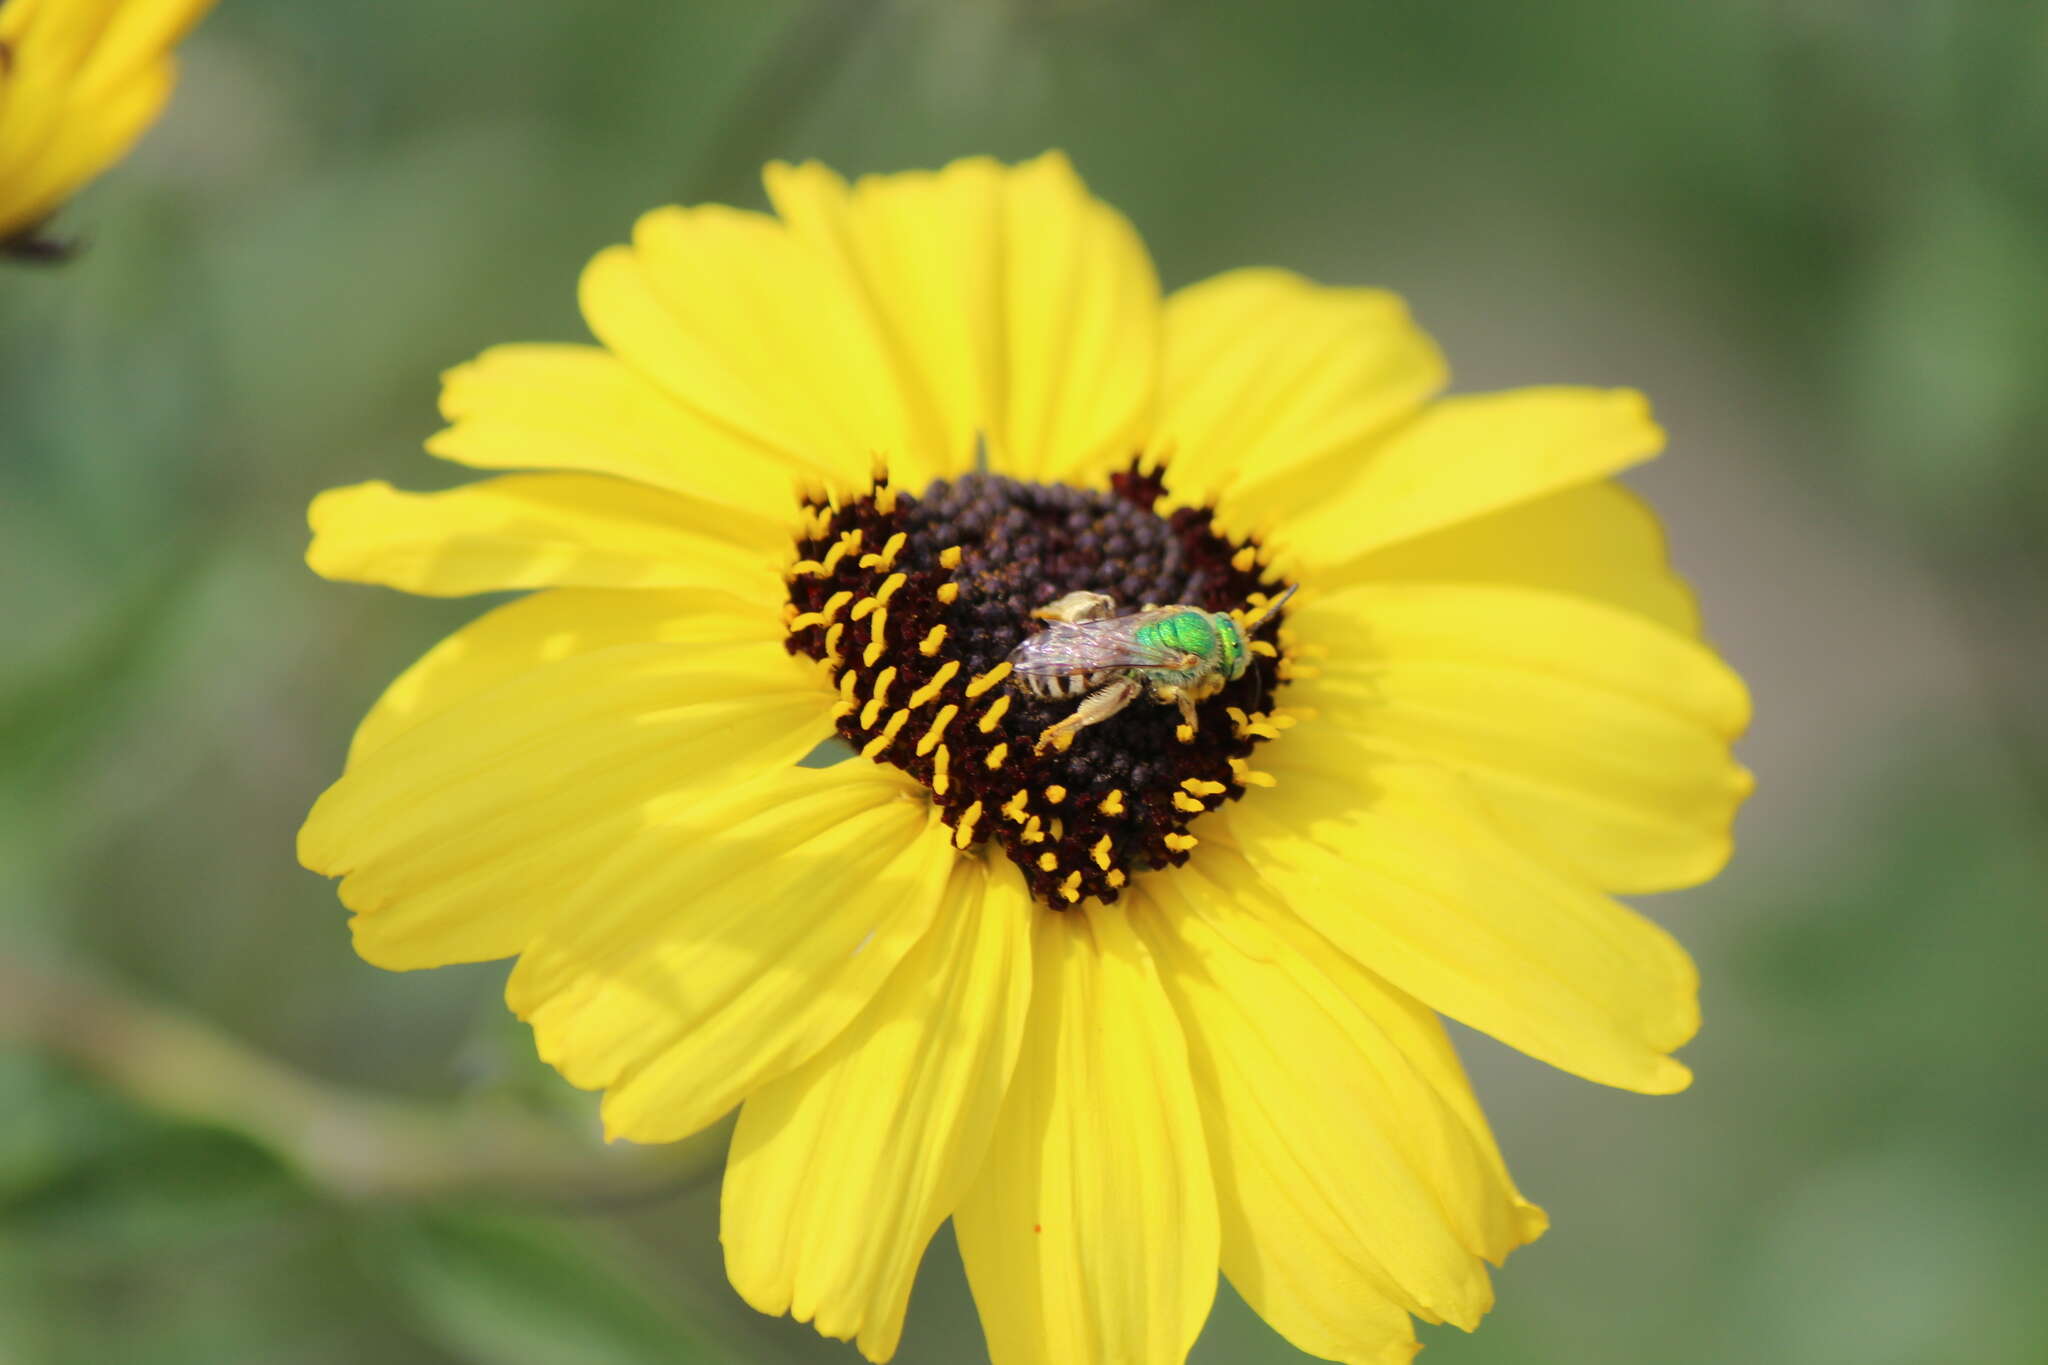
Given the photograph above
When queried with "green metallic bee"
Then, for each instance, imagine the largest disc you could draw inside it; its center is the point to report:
(1182, 654)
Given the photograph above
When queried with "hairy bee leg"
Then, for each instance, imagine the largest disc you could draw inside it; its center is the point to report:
(1187, 709)
(1077, 607)
(1097, 706)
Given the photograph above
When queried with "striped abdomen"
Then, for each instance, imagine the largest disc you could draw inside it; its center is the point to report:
(1059, 686)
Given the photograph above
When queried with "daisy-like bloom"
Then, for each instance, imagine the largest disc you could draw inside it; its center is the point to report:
(1129, 1010)
(80, 80)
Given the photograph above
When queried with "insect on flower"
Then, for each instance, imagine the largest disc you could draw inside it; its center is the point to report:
(1182, 654)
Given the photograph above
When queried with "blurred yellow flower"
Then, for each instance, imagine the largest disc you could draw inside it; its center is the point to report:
(1127, 1011)
(79, 82)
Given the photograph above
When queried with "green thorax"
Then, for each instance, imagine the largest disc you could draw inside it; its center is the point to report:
(1180, 630)
(1213, 640)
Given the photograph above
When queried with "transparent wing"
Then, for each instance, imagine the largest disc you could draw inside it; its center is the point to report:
(1063, 649)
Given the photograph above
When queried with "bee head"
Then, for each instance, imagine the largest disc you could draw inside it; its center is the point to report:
(1231, 641)
(1236, 654)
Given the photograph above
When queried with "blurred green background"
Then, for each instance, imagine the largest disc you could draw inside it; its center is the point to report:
(1815, 231)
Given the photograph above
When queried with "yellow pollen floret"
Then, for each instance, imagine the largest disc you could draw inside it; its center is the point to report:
(833, 633)
(1070, 889)
(1248, 776)
(996, 756)
(1181, 843)
(1243, 560)
(1055, 793)
(936, 685)
(940, 781)
(1203, 787)
(993, 717)
(1048, 861)
(938, 727)
(862, 608)
(847, 705)
(805, 568)
(1116, 877)
(836, 603)
(1188, 803)
(1034, 832)
(1282, 719)
(805, 620)
(891, 584)
(885, 501)
(1059, 829)
(1014, 807)
(949, 558)
(1100, 853)
(887, 737)
(1247, 727)
(947, 592)
(931, 642)
(879, 699)
(1184, 733)
(875, 642)
(1265, 649)
(989, 679)
(1113, 804)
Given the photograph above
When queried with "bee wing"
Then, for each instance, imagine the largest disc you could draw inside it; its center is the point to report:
(1090, 645)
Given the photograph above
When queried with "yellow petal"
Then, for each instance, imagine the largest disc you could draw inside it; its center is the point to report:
(1016, 306)
(1274, 385)
(457, 839)
(1445, 1138)
(536, 531)
(1091, 1234)
(1464, 457)
(1603, 735)
(86, 135)
(137, 33)
(582, 408)
(1404, 870)
(547, 627)
(753, 331)
(842, 1170)
(84, 79)
(730, 940)
(1598, 540)
(1320, 1134)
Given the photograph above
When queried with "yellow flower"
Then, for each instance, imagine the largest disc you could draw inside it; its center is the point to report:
(79, 82)
(1128, 1011)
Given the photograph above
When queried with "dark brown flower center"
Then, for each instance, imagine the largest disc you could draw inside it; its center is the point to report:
(916, 602)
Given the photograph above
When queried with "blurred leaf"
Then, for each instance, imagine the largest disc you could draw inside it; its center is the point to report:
(826, 752)
(502, 1289)
(1944, 356)
(100, 1183)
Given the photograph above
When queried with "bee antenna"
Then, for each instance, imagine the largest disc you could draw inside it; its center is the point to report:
(1267, 612)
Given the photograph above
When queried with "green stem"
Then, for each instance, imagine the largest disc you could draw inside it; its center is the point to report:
(351, 1144)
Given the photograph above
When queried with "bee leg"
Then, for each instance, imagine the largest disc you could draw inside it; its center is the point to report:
(1076, 607)
(1187, 709)
(1099, 705)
